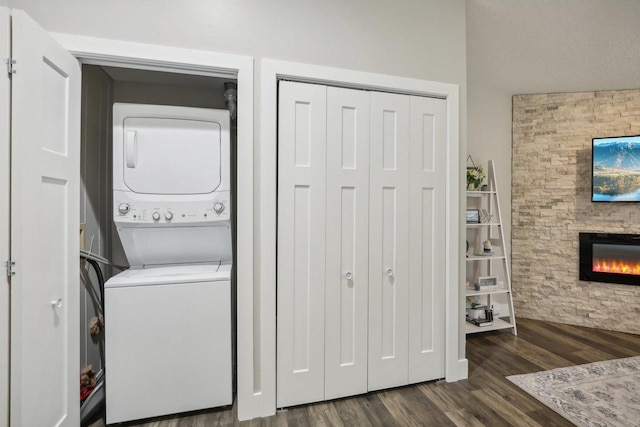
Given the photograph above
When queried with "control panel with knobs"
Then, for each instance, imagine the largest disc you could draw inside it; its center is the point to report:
(129, 210)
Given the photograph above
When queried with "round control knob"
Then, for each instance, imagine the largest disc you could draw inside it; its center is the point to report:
(348, 275)
(389, 272)
(156, 216)
(123, 208)
(168, 216)
(218, 207)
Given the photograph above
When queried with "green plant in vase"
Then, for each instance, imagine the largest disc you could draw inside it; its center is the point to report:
(475, 309)
(475, 176)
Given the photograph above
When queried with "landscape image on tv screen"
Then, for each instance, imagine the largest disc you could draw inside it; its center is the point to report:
(616, 169)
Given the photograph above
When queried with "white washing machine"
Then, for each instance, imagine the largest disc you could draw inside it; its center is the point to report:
(168, 318)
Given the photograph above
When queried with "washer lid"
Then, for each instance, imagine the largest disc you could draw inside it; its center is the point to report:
(171, 275)
(171, 155)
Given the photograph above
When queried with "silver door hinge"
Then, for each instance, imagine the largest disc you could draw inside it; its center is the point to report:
(10, 65)
(10, 266)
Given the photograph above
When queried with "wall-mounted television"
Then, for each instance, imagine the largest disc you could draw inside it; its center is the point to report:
(616, 169)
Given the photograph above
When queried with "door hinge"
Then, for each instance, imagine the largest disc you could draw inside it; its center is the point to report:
(10, 268)
(10, 65)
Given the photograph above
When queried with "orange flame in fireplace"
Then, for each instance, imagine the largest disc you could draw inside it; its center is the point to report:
(616, 266)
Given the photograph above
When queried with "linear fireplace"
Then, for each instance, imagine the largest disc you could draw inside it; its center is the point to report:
(610, 258)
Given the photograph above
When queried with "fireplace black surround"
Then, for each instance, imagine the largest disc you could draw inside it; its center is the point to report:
(610, 258)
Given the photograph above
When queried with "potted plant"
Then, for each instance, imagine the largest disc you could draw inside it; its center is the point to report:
(475, 309)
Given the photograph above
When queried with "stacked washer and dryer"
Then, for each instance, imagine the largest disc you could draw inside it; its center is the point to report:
(168, 317)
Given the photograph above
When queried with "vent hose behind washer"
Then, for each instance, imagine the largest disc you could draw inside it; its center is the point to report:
(98, 271)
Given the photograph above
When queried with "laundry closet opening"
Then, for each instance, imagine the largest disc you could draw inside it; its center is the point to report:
(102, 87)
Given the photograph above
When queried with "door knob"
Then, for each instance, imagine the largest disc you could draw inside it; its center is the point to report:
(348, 275)
(56, 303)
(389, 272)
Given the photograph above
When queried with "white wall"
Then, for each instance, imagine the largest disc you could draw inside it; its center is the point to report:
(523, 47)
(416, 38)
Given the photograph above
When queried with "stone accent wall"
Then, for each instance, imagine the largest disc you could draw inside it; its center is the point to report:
(551, 204)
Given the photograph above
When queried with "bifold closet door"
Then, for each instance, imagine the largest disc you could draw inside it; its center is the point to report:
(347, 242)
(388, 240)
(361, 215)
(301, 243)
(427, 243)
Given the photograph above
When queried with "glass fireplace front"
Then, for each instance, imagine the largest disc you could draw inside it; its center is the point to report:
(610, 258)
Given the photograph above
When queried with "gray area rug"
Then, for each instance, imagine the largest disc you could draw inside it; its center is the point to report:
(597, 394)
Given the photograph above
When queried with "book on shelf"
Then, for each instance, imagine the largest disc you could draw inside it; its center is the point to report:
(487, 320)
(480, 322)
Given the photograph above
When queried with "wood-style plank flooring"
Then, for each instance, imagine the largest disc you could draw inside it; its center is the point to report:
(486, 398)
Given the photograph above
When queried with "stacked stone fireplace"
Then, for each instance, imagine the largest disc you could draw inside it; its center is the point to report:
(551, 206)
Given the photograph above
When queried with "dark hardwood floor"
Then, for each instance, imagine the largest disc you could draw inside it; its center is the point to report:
(486, 398)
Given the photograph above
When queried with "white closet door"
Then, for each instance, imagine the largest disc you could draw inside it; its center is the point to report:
(347, 242)
(389, 241)
(45, 197)
(301, 243)
(427, 244)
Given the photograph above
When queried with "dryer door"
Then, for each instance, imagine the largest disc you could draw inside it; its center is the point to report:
(170, 155)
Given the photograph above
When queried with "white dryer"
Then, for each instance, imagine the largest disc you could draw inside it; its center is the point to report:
(168, 318)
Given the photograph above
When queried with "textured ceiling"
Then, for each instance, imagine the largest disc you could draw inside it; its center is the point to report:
(537, 46)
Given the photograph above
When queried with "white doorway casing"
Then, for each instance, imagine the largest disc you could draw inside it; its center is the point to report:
(273, 70)
(105, 52)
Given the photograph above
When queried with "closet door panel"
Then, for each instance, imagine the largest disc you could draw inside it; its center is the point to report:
(347, 242)
(427, 239)
(388, 240)
(301, 243)
(45, 208)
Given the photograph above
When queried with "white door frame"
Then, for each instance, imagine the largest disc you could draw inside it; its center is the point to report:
(98, 51)
(271, 72)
